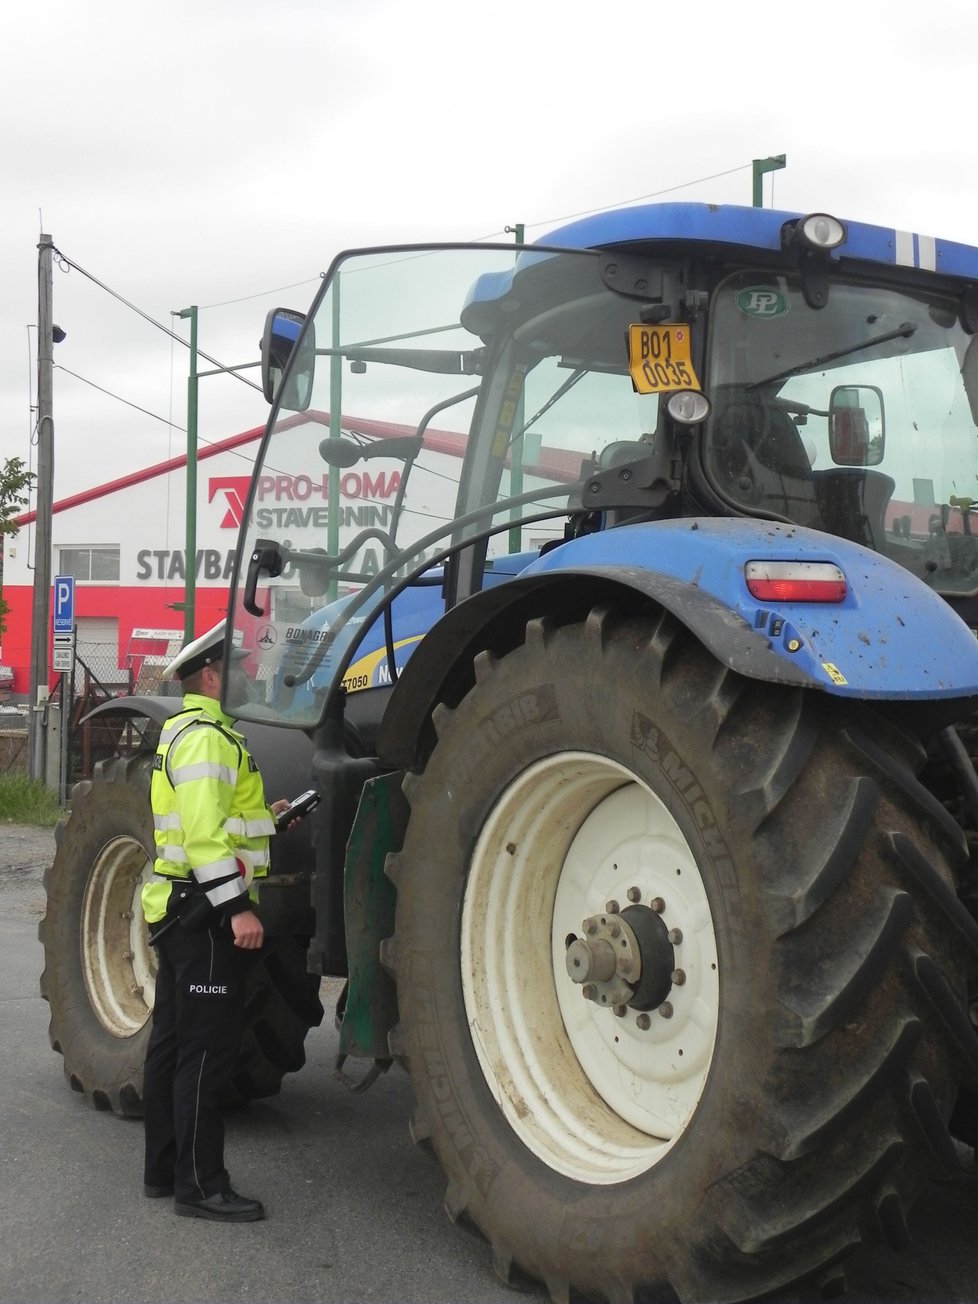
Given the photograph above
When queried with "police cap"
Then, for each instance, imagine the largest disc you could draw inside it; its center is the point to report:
(203, 651)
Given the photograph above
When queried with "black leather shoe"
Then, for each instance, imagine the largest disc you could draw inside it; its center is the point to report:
(157, 1192)
(225, 1206)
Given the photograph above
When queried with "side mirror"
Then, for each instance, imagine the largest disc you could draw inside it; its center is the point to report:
(283, 335)
(857, 430)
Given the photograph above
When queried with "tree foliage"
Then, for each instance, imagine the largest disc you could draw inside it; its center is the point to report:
(15, 483)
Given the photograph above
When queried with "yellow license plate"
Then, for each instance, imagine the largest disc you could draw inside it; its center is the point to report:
(658, 359)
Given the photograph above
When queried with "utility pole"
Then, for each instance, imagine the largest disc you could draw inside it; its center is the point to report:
(40, 611)
(189, 604)
(760, 166)
(190, 578)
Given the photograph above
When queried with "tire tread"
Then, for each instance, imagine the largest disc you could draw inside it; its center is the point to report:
(834, 826)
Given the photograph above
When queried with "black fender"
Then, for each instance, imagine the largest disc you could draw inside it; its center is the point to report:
(154, 709)
(441, 669)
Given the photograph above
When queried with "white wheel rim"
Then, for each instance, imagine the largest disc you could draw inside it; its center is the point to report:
(598, 1097)
(118, 963)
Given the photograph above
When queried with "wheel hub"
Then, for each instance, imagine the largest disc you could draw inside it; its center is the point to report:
(625, 957)
(118, 963)
(599, 1091)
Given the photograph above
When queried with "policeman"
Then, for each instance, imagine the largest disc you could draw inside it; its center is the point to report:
(211, 828)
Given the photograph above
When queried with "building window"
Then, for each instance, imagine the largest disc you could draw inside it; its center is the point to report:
(94, 565)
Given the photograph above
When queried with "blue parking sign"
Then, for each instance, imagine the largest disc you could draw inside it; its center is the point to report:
(63, 610)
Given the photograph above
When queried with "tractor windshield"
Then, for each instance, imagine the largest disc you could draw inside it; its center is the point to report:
(408, 481)
(853, 418)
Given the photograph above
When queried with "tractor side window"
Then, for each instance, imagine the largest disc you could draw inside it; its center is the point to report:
(570, 416)
(852, 419)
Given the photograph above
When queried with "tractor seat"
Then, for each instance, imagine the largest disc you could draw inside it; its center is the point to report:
(759, 453)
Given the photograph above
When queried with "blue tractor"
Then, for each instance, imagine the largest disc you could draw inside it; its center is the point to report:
(618, 595)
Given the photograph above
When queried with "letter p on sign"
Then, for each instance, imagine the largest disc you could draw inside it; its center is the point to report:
(64, 604)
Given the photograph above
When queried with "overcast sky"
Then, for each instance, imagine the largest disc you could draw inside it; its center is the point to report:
(215, 152)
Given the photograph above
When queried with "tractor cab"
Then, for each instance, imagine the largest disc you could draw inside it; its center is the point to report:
(444, 409)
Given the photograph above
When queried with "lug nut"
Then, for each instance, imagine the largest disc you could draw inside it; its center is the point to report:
(657, 904)
(620, 1011)
(624, 965)
(665, 1009)
(614, 929)
(612, 907)
(678, 977)
(589, 991)
(643, 1022)
(590, 926)
(634, 894)
(675, 936)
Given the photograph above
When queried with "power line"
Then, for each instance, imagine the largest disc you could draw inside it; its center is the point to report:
(171, 424)
(65, 261)
(603, 208)
(262, 294)
(30, 381)
(118, 397)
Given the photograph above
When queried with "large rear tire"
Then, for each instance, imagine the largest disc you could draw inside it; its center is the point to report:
(100, 971)
(775, 1088)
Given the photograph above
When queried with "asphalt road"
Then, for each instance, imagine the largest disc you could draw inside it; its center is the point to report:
(354, 1209)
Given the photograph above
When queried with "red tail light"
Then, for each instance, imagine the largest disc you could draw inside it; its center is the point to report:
(795, 581)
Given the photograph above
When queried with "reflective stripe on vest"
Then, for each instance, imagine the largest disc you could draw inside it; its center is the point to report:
(213, 767)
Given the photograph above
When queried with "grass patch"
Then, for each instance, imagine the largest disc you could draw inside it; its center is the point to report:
(26, 801)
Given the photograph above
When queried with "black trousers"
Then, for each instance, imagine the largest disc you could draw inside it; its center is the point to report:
(193, 1046)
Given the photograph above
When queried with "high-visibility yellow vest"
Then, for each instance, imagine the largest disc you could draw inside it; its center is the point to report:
(209, 811)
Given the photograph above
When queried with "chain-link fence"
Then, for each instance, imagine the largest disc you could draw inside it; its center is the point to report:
(13, 742)
(136, 671)
(97, 678)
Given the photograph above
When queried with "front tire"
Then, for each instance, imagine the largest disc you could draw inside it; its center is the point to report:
(100, 970)
(780, 1091)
